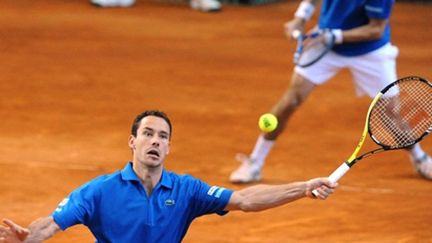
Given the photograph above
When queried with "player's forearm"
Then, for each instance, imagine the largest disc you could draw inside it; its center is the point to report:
(42, 229)
(261, 197)
(372, 31)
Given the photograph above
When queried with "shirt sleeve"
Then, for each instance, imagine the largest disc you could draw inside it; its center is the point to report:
(77, 208)
(379, 9)
(210, 199)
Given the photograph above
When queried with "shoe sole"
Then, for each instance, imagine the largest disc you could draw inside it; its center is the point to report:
(245, 182)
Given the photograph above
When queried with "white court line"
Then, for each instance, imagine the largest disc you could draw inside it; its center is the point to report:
(382, 191)
(366, 189)
(53, 165)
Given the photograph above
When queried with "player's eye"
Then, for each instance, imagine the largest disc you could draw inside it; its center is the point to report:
(147, 133)
(163, 136)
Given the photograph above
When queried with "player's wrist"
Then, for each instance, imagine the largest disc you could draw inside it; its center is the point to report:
(305, 10)
(338, 35)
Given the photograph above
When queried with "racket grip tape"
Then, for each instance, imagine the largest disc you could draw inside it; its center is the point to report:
(336, 175)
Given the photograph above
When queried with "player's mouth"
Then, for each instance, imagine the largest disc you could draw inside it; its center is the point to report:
(153, 153)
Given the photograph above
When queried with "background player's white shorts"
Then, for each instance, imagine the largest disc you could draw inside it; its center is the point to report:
(371, 72)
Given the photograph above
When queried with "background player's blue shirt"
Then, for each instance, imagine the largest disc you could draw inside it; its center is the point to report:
(348, 14)
(116, 207)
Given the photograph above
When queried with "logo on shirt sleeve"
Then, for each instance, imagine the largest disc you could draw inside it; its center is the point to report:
(62, 204)
(215, 191)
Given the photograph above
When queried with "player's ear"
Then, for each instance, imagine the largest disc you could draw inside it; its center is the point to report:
(131, 142)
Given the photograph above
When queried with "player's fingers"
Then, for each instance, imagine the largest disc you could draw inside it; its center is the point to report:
(16, 229)
(328, 190)
(323, 192)
(290, 28)
(325, 181)
(8, 222)
(12, 225)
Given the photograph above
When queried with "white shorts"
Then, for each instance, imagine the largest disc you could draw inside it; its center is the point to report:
(371, 72)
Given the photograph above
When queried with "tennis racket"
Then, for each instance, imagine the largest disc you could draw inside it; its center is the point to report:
(312, 47)
(398, 117)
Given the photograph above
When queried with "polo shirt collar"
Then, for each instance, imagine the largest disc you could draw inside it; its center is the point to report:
(128, 174)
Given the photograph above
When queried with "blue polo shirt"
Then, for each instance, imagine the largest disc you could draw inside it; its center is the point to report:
(348, 14)
(116, 207)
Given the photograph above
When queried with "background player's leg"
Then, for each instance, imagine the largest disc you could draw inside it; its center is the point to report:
(250, 168)
(421, 161)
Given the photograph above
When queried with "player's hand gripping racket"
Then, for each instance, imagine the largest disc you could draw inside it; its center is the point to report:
(398, 117)
(312, 47)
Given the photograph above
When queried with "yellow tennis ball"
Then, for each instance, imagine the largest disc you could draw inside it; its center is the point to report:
(268, 122)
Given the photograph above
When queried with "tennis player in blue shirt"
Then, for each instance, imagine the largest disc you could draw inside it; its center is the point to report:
(145, 203)
(361, 32)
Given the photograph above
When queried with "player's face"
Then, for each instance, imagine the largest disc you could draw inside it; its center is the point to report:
(152, 142)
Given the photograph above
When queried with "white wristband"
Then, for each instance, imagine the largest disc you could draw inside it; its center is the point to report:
(337, 33)
(305, 10)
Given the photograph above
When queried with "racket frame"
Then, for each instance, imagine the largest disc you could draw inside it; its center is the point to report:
(299, 49)
(345, 166)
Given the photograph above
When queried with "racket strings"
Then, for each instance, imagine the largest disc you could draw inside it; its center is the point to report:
(402, 115)
(311, 53)
(313, 48)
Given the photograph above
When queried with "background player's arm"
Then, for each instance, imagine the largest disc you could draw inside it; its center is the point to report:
(261, 197)
(38, 231)
(372, 31)
(301, 16)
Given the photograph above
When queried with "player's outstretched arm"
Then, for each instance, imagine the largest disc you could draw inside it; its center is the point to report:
(38, 231)
(262, 197)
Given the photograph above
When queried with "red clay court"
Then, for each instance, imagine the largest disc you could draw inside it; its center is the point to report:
(73, 77)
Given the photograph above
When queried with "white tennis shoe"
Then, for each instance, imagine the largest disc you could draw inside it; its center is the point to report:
(248, 171)
(113, 3)
(206, 5)
(423, 166)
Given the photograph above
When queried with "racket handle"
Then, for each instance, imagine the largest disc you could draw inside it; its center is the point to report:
(336, 175)
(296, 34)
(339, 172)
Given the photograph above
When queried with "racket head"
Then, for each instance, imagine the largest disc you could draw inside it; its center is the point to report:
(312, 47)
(402, 116)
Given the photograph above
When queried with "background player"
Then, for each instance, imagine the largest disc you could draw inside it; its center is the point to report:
(363, 45)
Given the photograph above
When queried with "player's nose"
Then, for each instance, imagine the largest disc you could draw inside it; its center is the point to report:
(155, 142)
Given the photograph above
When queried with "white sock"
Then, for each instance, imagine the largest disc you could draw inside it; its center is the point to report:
(261, 150)
(416, 151)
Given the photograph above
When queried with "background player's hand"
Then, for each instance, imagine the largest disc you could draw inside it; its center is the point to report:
(13, 233)
(323, 186)
(294, 24)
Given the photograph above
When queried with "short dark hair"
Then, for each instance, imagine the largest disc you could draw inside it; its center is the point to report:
(136, 123)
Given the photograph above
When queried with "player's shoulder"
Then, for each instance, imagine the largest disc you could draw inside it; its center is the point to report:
(179, 178)
(104, 179)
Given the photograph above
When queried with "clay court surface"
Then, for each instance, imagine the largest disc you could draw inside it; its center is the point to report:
(73, 77)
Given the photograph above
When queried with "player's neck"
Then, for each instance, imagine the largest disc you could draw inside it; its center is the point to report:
(148, 176)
